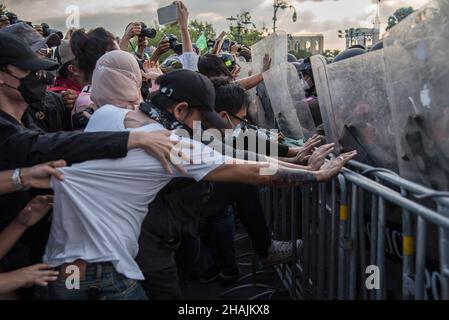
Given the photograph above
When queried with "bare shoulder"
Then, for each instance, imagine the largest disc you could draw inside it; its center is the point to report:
(137, 119)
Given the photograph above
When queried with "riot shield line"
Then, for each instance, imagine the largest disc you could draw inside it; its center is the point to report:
(275, 45)
(288, 101)
(321, 83)
(417, 72)
(354, 98)
(245, 69)
(299, 100)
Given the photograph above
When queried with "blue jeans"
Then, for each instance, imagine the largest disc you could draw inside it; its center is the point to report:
(111, 286)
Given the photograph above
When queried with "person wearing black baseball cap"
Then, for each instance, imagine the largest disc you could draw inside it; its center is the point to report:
(19, 65)
(32, 37)
(50, 113)
(22, 144)
(183, 90)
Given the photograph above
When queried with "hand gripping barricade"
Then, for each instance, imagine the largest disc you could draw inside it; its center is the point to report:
(372, 233)
(288, 101)
(353, 98)
(416, 55)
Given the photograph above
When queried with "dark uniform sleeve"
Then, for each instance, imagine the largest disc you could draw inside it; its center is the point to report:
(20, 147)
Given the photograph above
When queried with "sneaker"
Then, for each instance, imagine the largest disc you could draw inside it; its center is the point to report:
(230, 276)
(281, 252)
(210, 274)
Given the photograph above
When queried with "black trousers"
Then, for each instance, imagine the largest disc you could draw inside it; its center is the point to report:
(158, 263)
(245, 199)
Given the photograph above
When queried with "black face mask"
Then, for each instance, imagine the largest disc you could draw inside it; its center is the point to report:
(32, 88)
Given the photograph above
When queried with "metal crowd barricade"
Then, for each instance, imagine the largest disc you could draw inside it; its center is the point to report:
(348, 244)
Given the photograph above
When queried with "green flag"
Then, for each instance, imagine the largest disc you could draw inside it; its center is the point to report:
(202, 42)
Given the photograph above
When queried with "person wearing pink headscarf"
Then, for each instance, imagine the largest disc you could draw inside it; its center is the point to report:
(117, 80)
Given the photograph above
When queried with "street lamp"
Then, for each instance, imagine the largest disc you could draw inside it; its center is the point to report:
(240, 23)
(351, 35)
(231, 20)
(280, 4)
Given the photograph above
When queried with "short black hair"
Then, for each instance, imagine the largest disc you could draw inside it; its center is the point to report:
(89, 47)
(230, 97)
(63, 72)
(211, 66)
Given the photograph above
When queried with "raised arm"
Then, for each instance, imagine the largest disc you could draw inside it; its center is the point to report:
(253, 81)
(218, 43)
(183, 21)
(134, 29)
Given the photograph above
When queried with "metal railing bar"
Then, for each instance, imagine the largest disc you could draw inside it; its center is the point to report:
(396, 198)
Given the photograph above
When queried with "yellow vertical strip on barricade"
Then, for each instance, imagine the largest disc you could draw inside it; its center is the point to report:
(408, 246)
(344, 212)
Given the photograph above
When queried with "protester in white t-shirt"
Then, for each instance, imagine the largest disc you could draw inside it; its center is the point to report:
(100, 205)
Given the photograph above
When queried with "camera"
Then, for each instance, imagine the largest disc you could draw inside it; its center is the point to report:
(174, 44)
(231, 44)
(48, 31)
(226, 46)
(79, 120)
(239, 46)
(12, 17)
(147, 32)
(210, 43)
(172, 40)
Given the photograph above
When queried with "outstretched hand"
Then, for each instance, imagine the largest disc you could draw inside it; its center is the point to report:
(318, 157)
(332, 168)
(151, 70)
(266, 63)
(303, 154)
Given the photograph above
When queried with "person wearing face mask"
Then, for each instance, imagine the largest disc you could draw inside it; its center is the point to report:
(184, 97)
(25, 145)
(48, 111)
(232, 104)
(307, 82)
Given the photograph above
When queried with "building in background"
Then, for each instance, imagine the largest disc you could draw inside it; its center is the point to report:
(366, 37)
(313, 44)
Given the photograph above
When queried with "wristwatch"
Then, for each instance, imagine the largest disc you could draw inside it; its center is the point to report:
(17, 180)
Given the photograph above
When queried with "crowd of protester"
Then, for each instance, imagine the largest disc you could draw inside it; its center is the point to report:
(101, 172)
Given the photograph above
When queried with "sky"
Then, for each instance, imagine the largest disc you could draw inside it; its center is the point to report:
(314, 16)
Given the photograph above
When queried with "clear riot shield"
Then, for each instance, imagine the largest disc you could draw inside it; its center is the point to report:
(288, 101)
(319, 64)
(245, 69)
(299, 100)
(275, 45)
(356, 103)
(417, 65)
